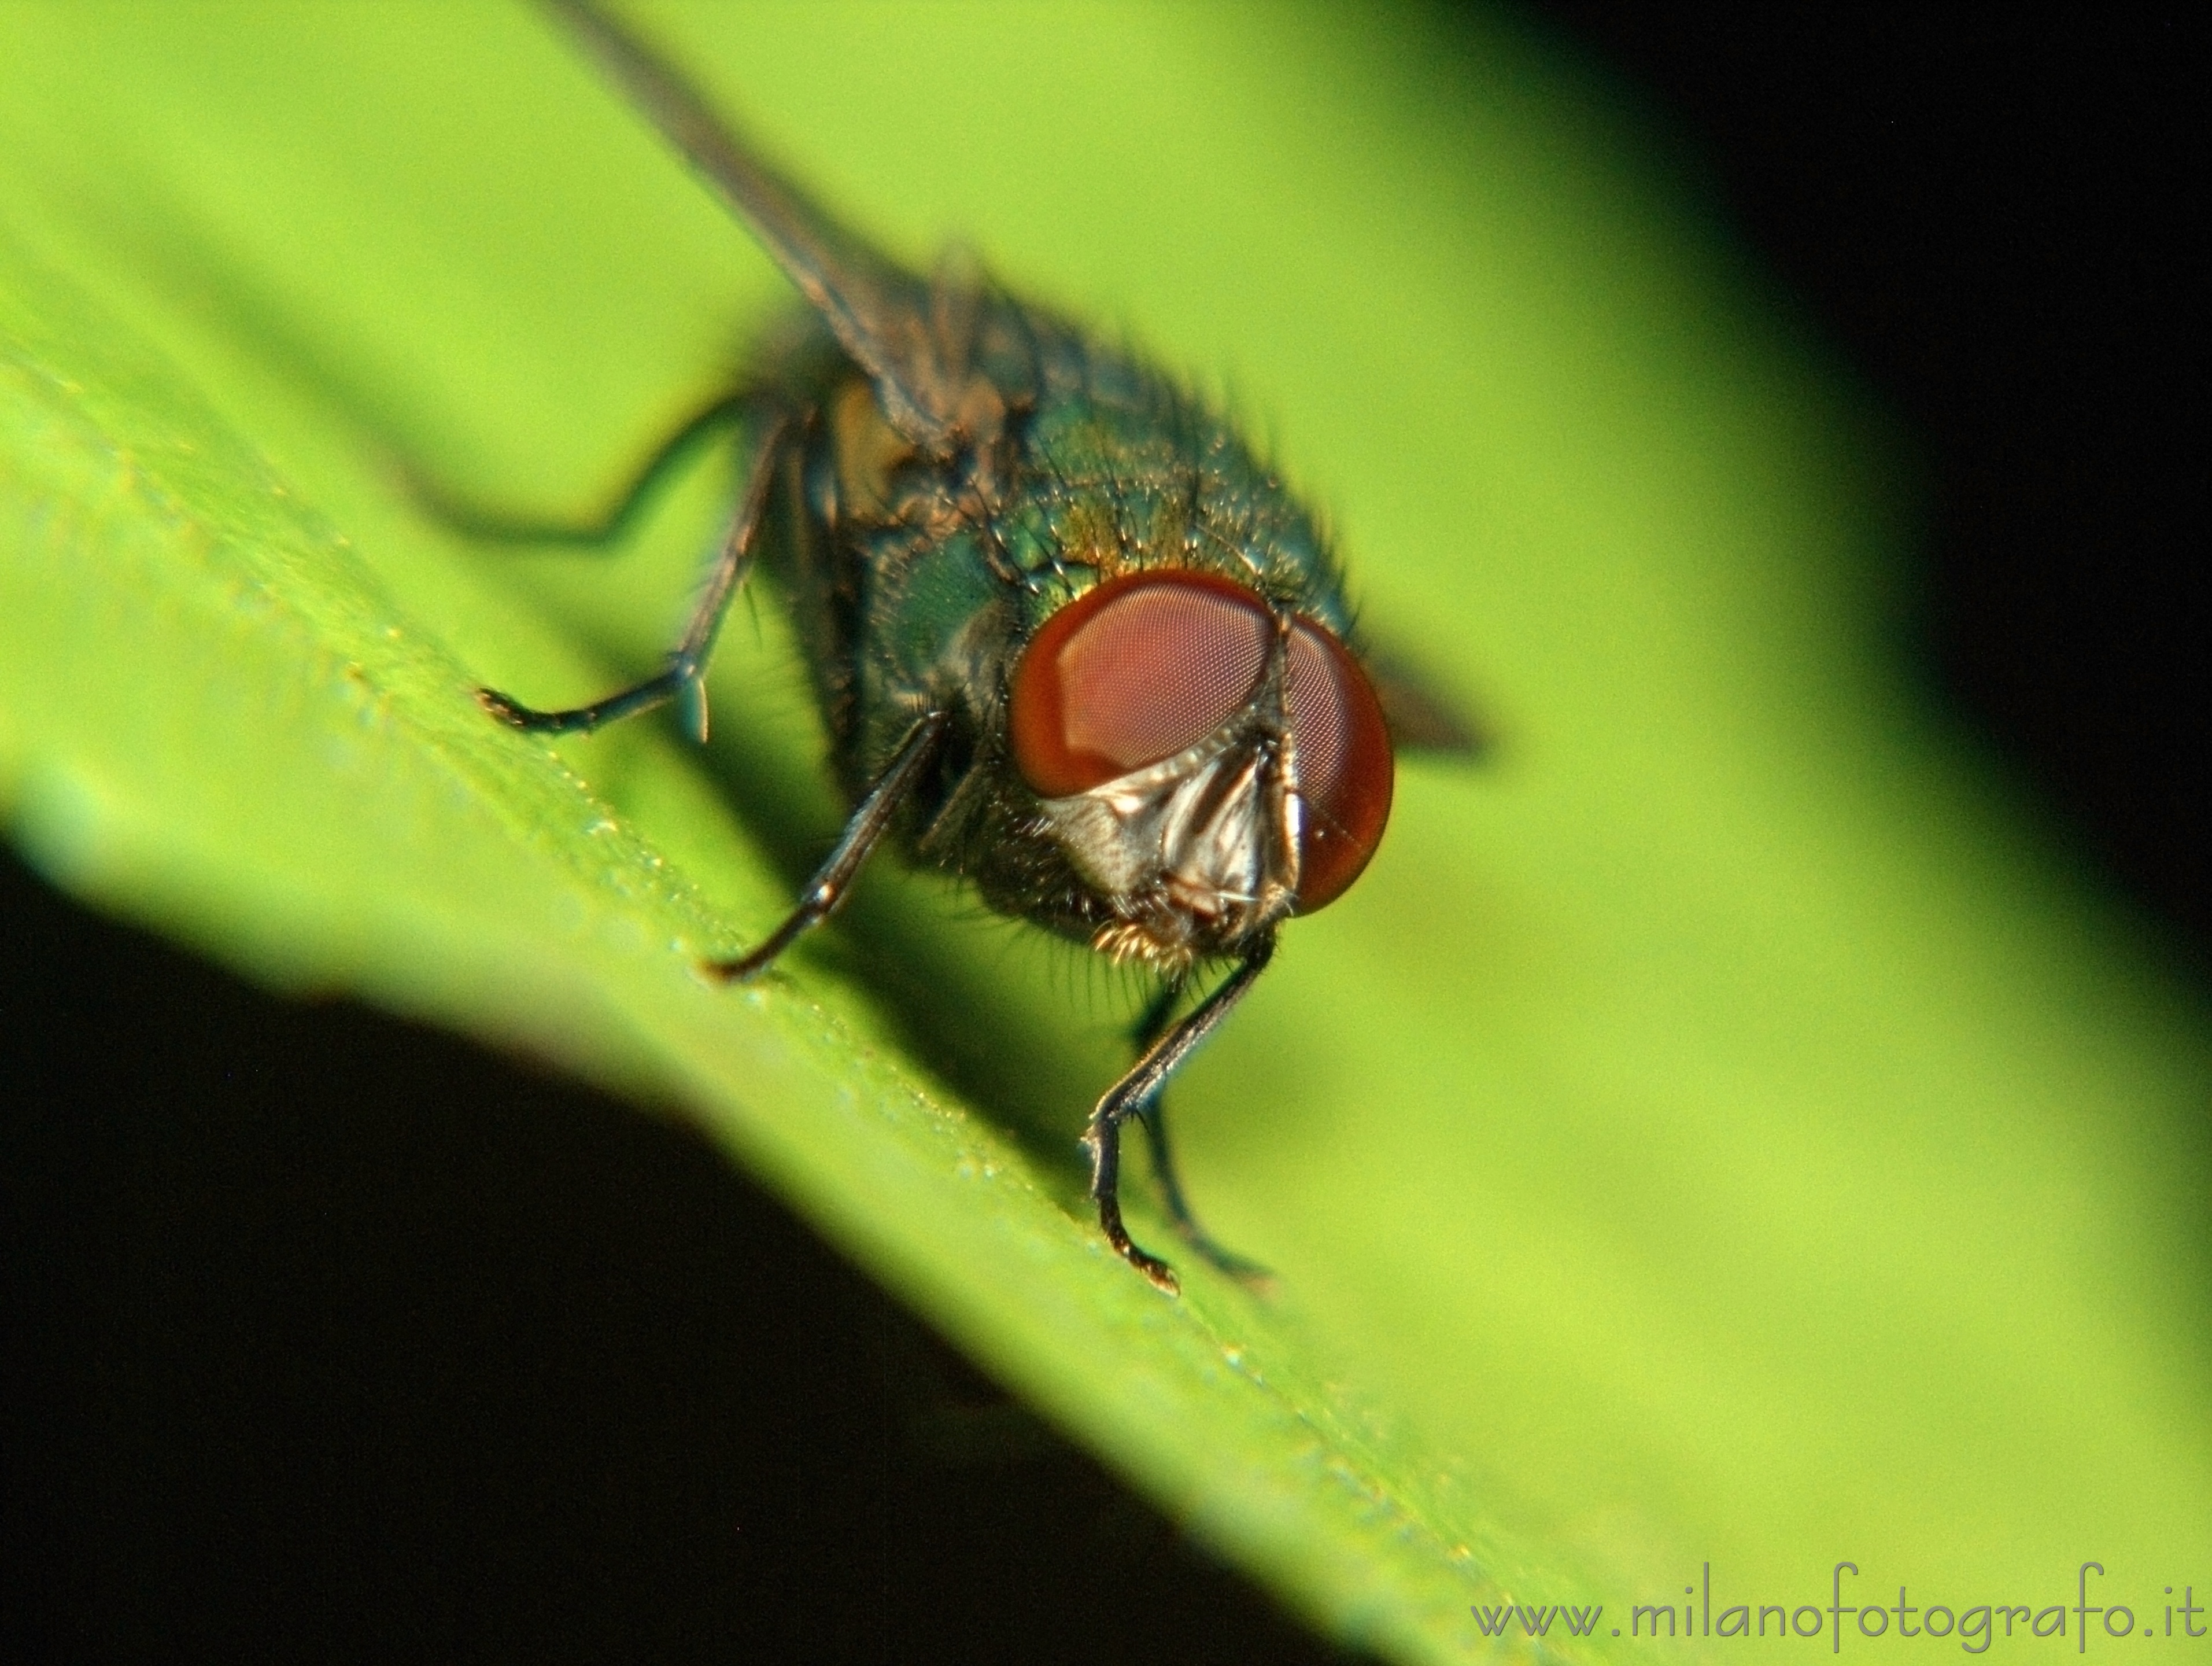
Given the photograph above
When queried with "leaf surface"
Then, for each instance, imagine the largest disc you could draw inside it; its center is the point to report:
(1716, 1131)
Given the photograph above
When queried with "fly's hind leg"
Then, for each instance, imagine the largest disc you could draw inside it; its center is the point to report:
(609, 527)
(681, 678)
(1137, 1094)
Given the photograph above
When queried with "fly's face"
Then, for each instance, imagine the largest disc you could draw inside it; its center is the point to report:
(1208, 762)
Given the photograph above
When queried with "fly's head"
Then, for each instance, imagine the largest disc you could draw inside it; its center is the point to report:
(1209, 760)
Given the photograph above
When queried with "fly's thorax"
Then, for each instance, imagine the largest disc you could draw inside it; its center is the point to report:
(1123, 472)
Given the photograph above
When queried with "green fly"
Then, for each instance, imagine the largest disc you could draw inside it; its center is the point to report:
(1071, 641)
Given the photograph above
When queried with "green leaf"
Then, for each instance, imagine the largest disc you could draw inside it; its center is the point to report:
(1719, 1131)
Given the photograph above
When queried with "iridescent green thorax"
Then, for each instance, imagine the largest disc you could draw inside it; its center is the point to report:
(1122, 472)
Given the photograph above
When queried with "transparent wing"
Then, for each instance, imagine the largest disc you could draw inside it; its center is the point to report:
(880, 313)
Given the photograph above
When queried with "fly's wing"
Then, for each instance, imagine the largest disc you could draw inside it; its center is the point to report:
(880, 313)
(1421, 719)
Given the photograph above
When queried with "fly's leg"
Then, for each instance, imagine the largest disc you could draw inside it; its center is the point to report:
(686, 665)
(1149, 1027)
(867, 825)
(1136, 1093)
(483, 524)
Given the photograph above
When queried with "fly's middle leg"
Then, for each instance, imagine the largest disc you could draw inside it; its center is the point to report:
(864, 829)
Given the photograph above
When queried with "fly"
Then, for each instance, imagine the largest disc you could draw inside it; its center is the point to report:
(1073, 642)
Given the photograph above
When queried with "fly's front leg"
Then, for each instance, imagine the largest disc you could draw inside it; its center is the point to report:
(1137, 1094)
(686, 665)
(1158, 1013)
(870, 820)
(1154, 1116)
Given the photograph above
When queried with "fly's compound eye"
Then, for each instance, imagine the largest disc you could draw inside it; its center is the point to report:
(1148, 665)
(1345, 769)
(1136, 671)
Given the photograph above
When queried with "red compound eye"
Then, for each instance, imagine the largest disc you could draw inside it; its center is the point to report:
(1345, 764)
(1133, 673)
(1147, 666)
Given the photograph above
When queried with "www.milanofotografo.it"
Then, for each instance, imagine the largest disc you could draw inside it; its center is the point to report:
(2099, 1610)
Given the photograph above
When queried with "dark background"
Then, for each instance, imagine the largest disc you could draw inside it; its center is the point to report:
(1999, 220)
(322, 1336)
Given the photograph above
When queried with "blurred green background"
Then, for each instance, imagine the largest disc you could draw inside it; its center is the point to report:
(1716, 1131)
